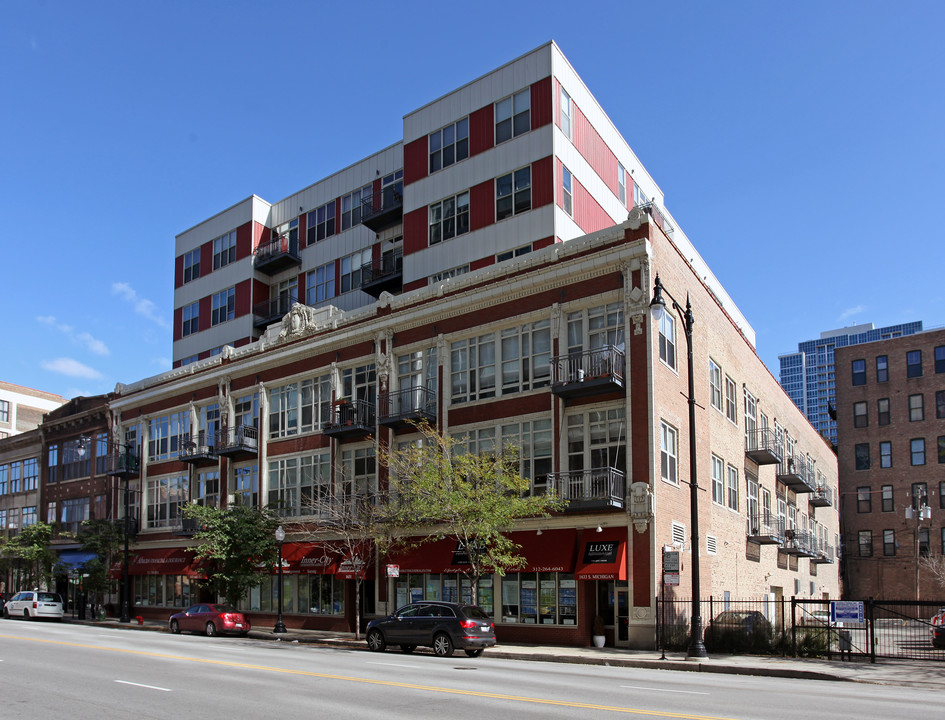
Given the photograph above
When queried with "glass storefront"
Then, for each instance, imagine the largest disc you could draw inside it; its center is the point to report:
(305, 594)
(177, 591)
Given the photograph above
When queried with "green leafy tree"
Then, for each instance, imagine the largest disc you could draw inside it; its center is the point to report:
(37, 558)
(103, 538)
(439, 490)
(236, 546)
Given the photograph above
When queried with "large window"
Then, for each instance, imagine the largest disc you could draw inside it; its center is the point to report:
(534, 442)
(917, 451)
(191, 319)
(351, 207)
(321, 223)
(224, 250)
(297, 485)
(538, 598)
(668, 448)
(223, 306)
(73, 512)
(513, 116)
(597, 440)
(359, 478)
(246, 485)
(859, 372)
(667, 339)
(941, 448)
(167, 434)
(208, 488)
(351, 269)
(715, 385)
(191, 265)
(449, 218)
(30, 474)
(718, 494)
(165, 498)
(449, 145)
(513, 193)
(320, 284)
(299, 407)
(914, 363)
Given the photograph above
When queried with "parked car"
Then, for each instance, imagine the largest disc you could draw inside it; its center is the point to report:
(210, 619)
(443, 626)
(937, 629)
(747, 620)
(34, 604)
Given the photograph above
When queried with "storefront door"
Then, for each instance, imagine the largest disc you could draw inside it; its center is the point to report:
(622, 619)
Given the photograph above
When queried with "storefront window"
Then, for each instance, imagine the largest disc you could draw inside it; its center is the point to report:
(315, 594)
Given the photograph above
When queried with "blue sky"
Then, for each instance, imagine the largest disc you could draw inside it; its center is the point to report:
(801, 146)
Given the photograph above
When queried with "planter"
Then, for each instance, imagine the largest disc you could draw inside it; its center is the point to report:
(599, 640)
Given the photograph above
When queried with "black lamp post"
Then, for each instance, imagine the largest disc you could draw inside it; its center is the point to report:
(125, 590)
(657, 308)
(280, 538)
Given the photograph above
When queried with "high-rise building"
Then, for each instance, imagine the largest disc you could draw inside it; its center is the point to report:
(808, 375)
(22, 408)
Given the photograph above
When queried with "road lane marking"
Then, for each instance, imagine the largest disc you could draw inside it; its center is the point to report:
(640, 687)
(149, 687)
(383, 683)
(412, 667)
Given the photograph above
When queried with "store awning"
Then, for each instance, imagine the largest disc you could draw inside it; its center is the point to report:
(160, 561)
(436, 556)
(75, 558)
(307, 559)
(603, 555)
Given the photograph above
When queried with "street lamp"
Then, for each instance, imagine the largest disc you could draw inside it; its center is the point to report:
(280, 538)
(657, 308)
(125, 590)
(917, 511)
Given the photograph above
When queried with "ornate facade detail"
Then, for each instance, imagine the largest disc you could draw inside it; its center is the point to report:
(383, 358)
(641, 506)
(299, 321)
(638, 320)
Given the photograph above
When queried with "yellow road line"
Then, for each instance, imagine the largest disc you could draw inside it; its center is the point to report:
(387, 683)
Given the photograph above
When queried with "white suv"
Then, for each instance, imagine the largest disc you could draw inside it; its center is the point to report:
(34, 604)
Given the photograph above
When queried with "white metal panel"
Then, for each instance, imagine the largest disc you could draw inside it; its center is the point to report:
(252, 208)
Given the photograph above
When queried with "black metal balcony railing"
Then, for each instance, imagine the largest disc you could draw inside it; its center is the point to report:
(793, 472)
(589, 489)
(197, 449)
(825, 555)
(384, 273)
(383, 210)
(277, 254)
(269, 311)
(414, 404)
(588, 372)
(120, 463)
(350, 419)
(238, 440)
(798, 542)
(762, 446)
(187, 527)
(821, 497)
(765, 528)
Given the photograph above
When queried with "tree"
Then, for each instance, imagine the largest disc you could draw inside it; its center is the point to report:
(934, 567)
(37, 558)
(236, 547)
(474, 498)
(102, 537)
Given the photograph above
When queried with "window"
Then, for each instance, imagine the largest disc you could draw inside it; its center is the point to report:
(860, 418)
(751, 499)
(889, 542)
(246, 486)
(940, 404)
(865, 542)
(223, 306)
(941, 494)
(513, 116)
(299, 407)
(522, 354)
(449, 145)
(351, 269)
(4, 411)
(732, 488)
(320, 284)
(914, 363)
(359, 476)
(165, 498)
(567, 200)
(297, 484)
(667, 332)
(534, 441)
(565, 113)
(514, 253)
(917, 449)
(167, 434)
(862, 452)
(447, 274)
(924, 542)
(513, 193)
(52, 462)
(30, 474)
(449, 218)
(859, 372)
(863, 500)
(622, 184)
(882, 368)
(191, 319)
(731, 406)
(885, 454)
(224, 250)
(916, 408)
(191, 265)
(351, 207)
(321, 223)
(940, 359)
(246, 411)
(715, 385)
(718, 494)
(73, 512)
(668, 439)
(639, 198)
(886, 494)
(208, 488)
(882, 411)
(941, 448)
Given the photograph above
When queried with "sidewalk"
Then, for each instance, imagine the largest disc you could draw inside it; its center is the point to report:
(913, 673)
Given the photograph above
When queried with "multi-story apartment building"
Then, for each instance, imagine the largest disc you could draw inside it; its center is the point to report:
(22, 408)
(19, 494)
(808, 375)
(891, 432)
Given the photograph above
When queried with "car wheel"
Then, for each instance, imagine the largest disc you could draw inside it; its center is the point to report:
(376, 642)
(474, 652)
(26, 614)
(443, 645)
(6, 613)
(407, 649)
(175, 627)
(211, 629)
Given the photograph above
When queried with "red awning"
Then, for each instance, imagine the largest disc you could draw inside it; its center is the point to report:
(603, 555)
(431, 557)
(307, 559)
(161, 561)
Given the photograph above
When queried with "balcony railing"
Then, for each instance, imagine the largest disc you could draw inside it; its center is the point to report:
(277, 254)
(350, 419)
(589, 372)
(187, 527)
(414, 404)
(798, 542)
(238, 440)
(765, 529)
(793, 472)
(123, 464)
(762, 447)
(197, 450)
(383, 210)
(595, 488)
(269, 311)
(821, 497)
(384, 273)
(825, 555)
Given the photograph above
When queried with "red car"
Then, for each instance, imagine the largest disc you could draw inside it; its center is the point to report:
(211, 620)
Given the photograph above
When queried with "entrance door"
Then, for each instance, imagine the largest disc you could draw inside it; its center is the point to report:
(622, 619)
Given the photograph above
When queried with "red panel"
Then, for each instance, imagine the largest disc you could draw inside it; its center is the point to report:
(206, 258)
(482, 262)
(593, 148)
(552, 551)
(178, 271)
(481, 130)
(588, 213)
(415, 160)
(243, 299)
(544, 242)
(415, 284)
(310, 559)
(482, 205)
(260, 292)
(543, 181)
(205, 309)
(244, 241)
(178, 323)
(415, 231)
(559, 187)
(302, 285)
(602, 555)
(542, 107)
(303, 219)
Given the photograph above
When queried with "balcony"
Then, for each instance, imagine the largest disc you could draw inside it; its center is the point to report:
(824, 556)
(122, 464)
(590, 372)
(187, 527)
(821, 497)
(762, 447)
(386, 273)
(270, 311)
(383, 210)
(799, 543)
(793, 473)
(411, 405)
(197, 450)
(765, 529)
(594, 489)
(350, 420)
(277, 255)
(239, 441)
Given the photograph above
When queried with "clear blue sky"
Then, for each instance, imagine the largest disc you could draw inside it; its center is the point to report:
(801, 145)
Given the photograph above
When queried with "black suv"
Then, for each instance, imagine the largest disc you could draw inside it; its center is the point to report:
(443, 626)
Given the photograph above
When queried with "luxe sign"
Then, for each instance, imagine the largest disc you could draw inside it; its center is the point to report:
(601, 552)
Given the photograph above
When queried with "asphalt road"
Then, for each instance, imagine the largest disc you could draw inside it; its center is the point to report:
(52, 670)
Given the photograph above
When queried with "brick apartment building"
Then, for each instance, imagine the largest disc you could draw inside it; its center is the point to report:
(22, 408)
(891, 433)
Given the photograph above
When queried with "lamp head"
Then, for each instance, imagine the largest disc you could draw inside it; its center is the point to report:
(280, 534)
(657, 304)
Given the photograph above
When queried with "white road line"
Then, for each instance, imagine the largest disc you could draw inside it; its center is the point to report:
(370, 662)
(687, 692)
(149, 687)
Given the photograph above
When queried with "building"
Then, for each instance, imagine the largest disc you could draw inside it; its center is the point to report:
(22, 408)
(891, 432)
(19, 494)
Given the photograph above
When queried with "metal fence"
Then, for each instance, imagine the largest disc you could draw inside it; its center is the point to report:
(802, 627)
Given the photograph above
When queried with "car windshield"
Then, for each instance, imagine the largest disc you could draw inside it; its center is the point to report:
(47, 597)
(474, 612)
(223, 608)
